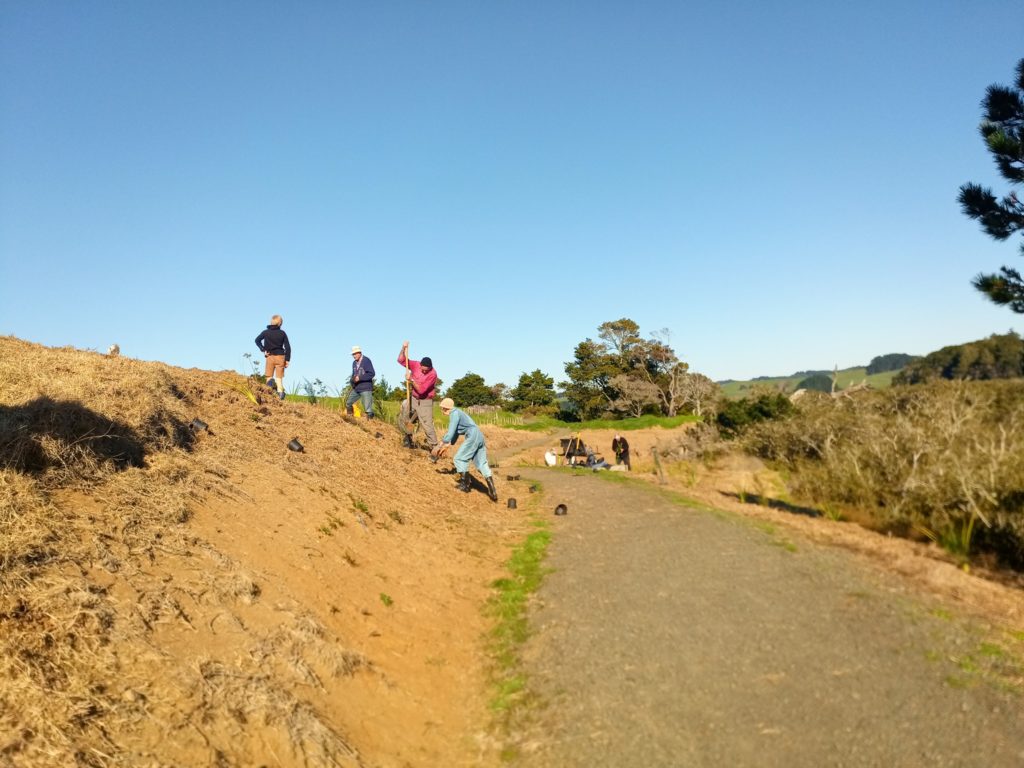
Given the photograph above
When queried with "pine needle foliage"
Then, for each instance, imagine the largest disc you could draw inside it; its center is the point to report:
(1003, 132)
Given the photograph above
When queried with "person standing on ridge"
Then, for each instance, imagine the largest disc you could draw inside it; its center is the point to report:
(362, 383)
(421, 377)
(473, 449)
(273, 343)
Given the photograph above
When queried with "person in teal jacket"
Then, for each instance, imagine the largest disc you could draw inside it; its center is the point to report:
(473, 449)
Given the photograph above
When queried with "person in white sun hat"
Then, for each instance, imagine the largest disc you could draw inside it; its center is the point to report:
(362, 383)
(473, 449)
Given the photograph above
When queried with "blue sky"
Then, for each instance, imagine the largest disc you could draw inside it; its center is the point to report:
(775, 183)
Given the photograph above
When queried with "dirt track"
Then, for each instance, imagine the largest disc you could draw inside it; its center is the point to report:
(671, 636)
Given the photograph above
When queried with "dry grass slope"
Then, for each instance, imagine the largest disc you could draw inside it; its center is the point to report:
(133, 634)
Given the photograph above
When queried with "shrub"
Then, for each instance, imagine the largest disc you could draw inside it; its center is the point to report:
(997, 357)
(737, 415)
(944, 459)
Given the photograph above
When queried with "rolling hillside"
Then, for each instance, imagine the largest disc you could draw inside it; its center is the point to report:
(846, 378)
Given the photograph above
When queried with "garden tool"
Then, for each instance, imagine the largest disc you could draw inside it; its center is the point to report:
(406, 423)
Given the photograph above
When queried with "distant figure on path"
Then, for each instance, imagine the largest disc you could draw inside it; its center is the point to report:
(362, 383)
(621, 449)
(273, 343)
(421, 377)
(550, 457)
(473, 449)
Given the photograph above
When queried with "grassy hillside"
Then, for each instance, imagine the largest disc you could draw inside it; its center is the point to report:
(846, 378)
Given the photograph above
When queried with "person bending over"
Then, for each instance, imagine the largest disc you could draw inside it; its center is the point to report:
(473, 449)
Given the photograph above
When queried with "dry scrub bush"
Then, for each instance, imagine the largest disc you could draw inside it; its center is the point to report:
(700, 442)
(945, 459)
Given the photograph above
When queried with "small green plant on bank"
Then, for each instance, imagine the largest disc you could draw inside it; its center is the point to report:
(314, 390)
(954, 538)
(242, 387)
(386, 599)
(252, 365)
(831, 512)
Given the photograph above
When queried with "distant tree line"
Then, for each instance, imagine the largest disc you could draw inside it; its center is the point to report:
(997, 357)
(621, 374)
(893, 362)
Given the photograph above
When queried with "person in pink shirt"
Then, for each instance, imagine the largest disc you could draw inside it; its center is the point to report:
(421, 377)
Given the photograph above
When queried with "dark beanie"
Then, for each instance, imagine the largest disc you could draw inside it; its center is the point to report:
(426, 363)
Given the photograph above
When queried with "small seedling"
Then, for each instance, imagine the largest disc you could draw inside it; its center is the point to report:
(833, 514)
(386, 599)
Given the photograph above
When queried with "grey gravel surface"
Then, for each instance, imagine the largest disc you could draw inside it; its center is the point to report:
(675, 636)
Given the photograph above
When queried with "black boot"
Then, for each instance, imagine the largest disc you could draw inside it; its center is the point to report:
(349, 411)
(407, 441)
(491, 491)
(463, 484)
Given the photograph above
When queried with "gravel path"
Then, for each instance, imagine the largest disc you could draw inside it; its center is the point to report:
(673, 636)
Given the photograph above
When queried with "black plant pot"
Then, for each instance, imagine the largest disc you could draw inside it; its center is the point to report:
(561, 509)
(198, 425)
(295, 445)
(511, 503)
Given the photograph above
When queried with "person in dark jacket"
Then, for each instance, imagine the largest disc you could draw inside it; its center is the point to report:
(621, 449)
(362, 383)
(273, 343)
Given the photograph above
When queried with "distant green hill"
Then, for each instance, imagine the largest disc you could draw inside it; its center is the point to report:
(845, 378)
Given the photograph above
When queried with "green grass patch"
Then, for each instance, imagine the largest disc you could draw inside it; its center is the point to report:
(844, 379)
(957, 682)
(546, 423)
(387, 411)
(507, 606)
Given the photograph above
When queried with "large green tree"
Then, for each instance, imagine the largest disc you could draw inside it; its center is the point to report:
(622, 352)
(470, 390)
(590, 373)
(1003, 131)
(534, 389)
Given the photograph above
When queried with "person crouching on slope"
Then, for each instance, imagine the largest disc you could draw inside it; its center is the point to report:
(273, 343)
(473, 449)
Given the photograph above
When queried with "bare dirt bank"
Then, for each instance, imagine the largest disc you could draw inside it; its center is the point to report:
(171, 596)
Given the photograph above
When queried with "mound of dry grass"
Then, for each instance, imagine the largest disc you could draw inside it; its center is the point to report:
(126, 639)
(97, 475)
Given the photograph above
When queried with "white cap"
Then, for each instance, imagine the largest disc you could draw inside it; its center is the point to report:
(356, 349)
(448, 403)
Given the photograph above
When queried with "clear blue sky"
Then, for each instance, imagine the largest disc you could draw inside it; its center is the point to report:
(773, 182)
